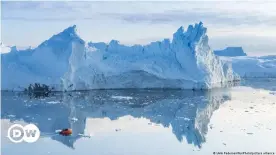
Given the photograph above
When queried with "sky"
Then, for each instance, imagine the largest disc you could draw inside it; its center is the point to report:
(249, 24)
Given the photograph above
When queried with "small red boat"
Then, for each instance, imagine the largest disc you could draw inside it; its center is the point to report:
(66, 132)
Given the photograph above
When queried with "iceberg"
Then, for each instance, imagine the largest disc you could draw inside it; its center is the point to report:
(4, 48)
(66, 62)
(253, 67)
(186, 62)
(231, 52)
(248, 66)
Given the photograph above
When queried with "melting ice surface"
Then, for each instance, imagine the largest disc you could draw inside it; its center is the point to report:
(147, 122)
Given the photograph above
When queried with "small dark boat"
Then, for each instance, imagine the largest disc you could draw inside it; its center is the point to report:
(66, 132)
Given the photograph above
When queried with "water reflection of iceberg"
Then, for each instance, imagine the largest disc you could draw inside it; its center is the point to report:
(187, 112)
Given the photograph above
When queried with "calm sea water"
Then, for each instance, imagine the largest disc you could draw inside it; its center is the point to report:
(146, 122)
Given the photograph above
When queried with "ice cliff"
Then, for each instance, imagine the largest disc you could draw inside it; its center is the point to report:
(185, 62)
(67, 62)
(45, 64)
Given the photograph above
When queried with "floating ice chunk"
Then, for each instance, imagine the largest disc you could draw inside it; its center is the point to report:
(53, 102)
(74, 119)
(122, 97)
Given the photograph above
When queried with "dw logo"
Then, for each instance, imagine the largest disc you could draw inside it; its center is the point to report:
(29, 133)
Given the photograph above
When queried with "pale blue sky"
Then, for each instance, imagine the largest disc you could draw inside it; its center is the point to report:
(251, 25)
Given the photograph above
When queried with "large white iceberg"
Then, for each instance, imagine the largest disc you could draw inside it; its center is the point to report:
(185, 62)
(67, 62)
